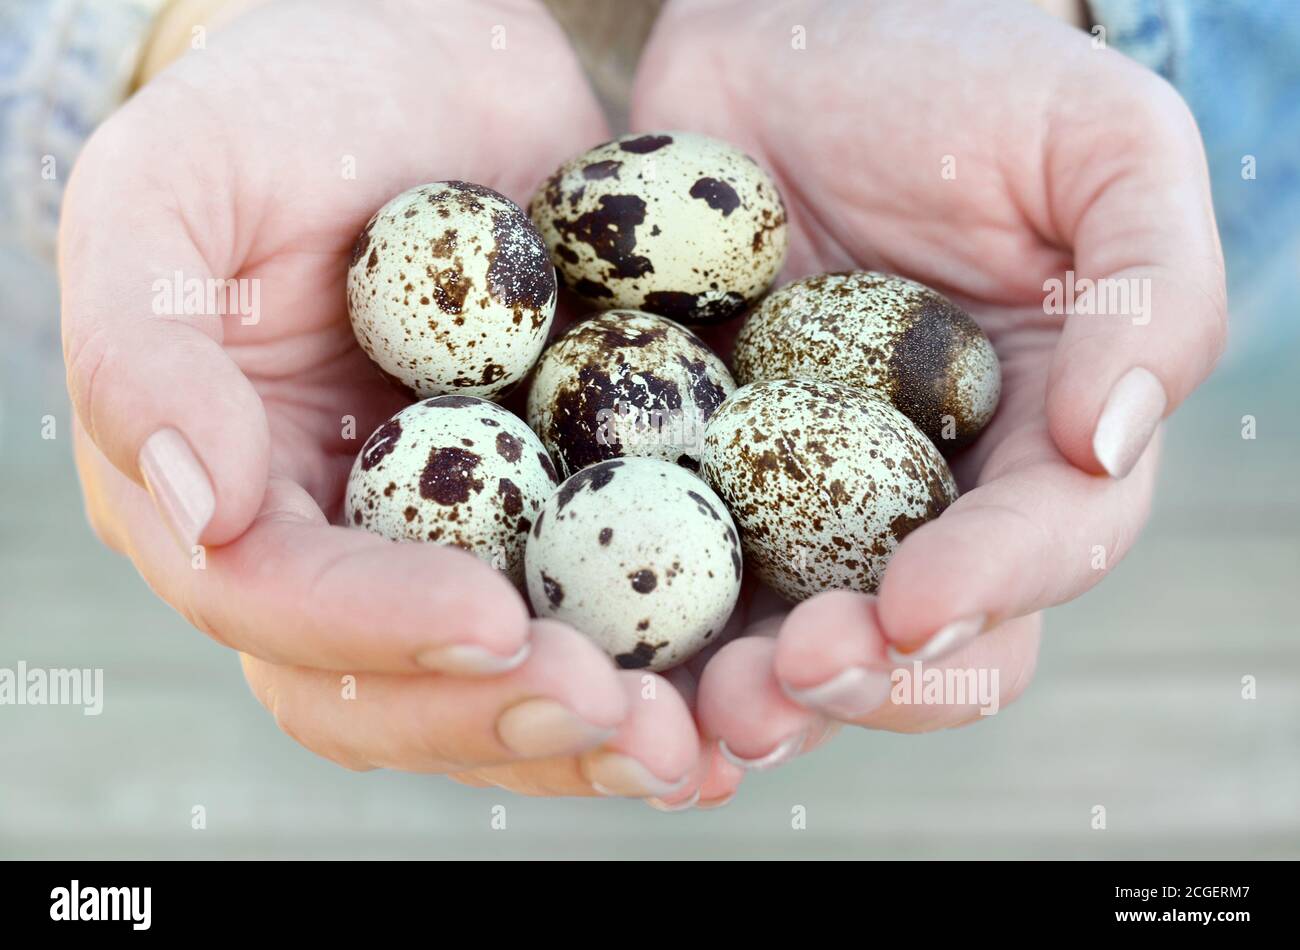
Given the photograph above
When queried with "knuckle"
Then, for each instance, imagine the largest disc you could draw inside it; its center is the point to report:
(271, 696)
(1150, 112)
(113, 140)
(94, 497)
(348, 762)
(1214, 333)
(263, 680)
(88, 350)
(1166, 108)
(193, 609)
(102, 530)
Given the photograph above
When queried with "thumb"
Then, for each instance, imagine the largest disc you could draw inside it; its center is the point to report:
(1147, 313)
(154, 390)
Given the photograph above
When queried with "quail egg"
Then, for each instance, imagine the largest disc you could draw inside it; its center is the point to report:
(450, 290)
(672, 223)
(824, 481)
(454, 470)
(879, 332)
(626, 383)
(640, 555)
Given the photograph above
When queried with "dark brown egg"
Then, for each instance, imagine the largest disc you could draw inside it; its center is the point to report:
(626, 383)
(879, 332)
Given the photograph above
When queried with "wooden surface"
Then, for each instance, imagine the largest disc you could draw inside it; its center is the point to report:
(1136, 706)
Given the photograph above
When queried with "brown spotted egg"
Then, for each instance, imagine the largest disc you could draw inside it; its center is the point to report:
(879, 332)
(626, 383)
(641, 556)
(824, 481)
(450, 290)
(671, 223)
(453, 470)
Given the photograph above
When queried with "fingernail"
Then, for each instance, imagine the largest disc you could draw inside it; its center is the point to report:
(467, 659)
(948, 640)
(785, 750)
(1129, 419)
(621, 776)
(178, 484)
(828, 731)
(660, 805)
(542, 727)
(848, 695)
(711, 803)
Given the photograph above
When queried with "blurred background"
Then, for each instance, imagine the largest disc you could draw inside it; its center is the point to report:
(1137, 705)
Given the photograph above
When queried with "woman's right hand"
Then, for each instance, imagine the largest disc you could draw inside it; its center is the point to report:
(213, 450)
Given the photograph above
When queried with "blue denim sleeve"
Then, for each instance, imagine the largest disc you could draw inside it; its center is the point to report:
(64, 66)
(1237, 63)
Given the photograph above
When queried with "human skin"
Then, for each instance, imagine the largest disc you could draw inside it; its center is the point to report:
(228, 163)
(231, 162)
(1065, 156)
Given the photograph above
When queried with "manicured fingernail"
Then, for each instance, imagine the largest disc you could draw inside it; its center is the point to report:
(660, 805)
(1129, 419)
(948, 640)
(621, 776)
(468, 659)
(542, 727)
(179, 485)
(848, 695)
(829, 729)
(710, 803)
(785, 750)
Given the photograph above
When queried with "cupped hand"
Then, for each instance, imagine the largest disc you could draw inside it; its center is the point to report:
(214, 448)
(983, 149)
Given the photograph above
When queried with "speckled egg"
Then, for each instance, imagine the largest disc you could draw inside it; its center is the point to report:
(450, 290)
(824, 481)
(626, 383)
(879, 332)
(641, 556)
(453, 470)
(672, 223)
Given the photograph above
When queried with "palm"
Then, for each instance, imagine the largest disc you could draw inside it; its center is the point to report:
(930, 166)
(397, 117)
(260, 158)
(906, 141)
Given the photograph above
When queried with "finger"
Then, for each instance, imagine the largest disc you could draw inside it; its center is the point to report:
(702, 782)
(657, 749)
(295, 590)
(716, 780)
(683, 680)
(565, 699)
(831, 656)
(722, 781)
(1146, 249)
(655, 753)
(842, 672)
(154, 389)
(743, 707)
(1035, 533)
